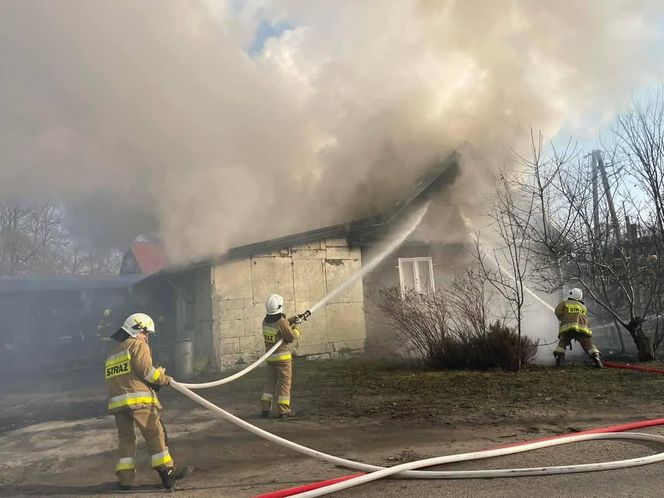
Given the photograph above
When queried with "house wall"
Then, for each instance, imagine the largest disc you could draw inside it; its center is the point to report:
(302, 275)
(180, 302)
(448, 260)
(193, 317)
(196, 319)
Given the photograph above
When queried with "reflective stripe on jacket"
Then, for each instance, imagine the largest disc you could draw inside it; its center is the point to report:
(573, 317)
(130, 374)
(281, 329)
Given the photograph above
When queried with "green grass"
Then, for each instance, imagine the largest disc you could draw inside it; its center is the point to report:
(357, 388)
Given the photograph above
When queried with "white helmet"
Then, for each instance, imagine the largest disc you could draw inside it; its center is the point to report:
(575, 294)
(274, 304)
(138, 322)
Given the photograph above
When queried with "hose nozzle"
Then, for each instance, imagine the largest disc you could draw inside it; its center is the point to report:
(302, 317)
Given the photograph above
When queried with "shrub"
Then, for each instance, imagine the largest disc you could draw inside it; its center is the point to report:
(450, 329)
(498, 348)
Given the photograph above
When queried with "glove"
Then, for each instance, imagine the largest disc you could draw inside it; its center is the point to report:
(167, 381)
(167, 378)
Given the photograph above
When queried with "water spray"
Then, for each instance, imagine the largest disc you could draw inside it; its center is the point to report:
(385, 251)
(480, 242)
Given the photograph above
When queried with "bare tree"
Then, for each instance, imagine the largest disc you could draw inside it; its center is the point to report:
(639, 138)
(35, 242)
(620, 274)
(506, 264)
(581, 239)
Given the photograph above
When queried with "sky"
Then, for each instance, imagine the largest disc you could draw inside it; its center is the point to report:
(210, 124)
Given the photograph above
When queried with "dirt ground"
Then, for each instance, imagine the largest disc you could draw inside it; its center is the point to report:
(57, 440)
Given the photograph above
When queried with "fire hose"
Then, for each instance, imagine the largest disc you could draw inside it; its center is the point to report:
(326, 485)
(204, 385)
(409, 469)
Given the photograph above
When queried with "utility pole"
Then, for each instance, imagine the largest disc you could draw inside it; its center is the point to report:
(595, 194)
(598, 167)
(599, 161)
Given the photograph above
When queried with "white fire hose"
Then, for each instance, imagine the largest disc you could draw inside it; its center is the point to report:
(231, 378)
(407, 469)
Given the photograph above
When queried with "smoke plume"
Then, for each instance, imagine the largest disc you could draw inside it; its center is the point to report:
(212, 124)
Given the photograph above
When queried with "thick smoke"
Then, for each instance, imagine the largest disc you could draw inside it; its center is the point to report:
(172, 118)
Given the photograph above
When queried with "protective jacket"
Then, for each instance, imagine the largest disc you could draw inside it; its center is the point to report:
(572, 315)
(281, 329)
(130, 376)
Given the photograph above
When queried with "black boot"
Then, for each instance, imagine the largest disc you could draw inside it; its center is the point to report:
(597, 361)
(170, 476)
(559, 360)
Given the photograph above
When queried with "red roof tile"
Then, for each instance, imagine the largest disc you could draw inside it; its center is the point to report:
(149, 257)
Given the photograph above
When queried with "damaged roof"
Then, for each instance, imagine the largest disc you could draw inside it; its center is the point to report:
(443, 172)
(365, 230)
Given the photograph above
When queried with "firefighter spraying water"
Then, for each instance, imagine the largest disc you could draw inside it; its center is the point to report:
(279, 371)
(572, 314)
(279, 332)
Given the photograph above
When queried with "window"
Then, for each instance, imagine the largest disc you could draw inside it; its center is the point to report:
(416, 274)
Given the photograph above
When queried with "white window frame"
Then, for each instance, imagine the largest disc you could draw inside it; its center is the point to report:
(416, 274)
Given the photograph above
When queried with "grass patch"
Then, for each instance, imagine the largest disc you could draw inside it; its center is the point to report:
(358, 388)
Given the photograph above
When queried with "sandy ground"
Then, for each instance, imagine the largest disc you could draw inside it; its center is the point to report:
(56, 440)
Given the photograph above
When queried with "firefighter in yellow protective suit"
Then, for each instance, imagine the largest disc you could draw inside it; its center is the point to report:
(280, 363)
(132, 382)
(572, 315)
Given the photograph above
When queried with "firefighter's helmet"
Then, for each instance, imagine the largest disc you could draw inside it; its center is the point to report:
(576, 294)
(138, 322)
(274, 304)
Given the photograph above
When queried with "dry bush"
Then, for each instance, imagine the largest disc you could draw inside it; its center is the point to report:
(451, 329)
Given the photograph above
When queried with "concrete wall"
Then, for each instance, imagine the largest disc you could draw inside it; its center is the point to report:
(302, 275)
(202, 321)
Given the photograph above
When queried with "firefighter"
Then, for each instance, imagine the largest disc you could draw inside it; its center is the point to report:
(279, 364)
(572, 315)
(104, 325)
(104, 330)
(132, 382)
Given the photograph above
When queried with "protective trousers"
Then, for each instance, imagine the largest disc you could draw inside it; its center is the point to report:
(147, 420)
(584, 339)
(278, 376)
